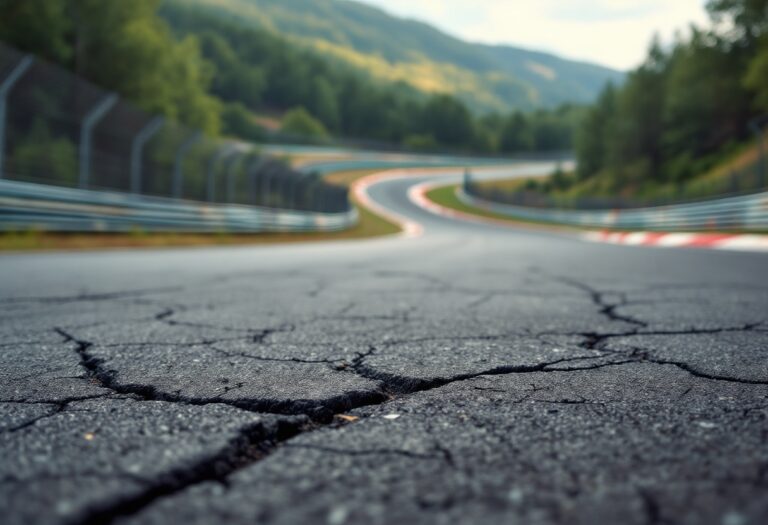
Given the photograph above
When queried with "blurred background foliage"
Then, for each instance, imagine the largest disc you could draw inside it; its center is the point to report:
(213, 73)
(668, 129)
(683, 114)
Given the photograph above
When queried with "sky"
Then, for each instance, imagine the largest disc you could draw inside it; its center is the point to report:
(614, 33)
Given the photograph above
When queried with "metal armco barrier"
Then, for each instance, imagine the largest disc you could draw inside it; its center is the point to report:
(27, 205)
(747, 212)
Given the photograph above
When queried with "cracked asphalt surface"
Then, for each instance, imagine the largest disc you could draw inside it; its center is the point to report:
(477, 374)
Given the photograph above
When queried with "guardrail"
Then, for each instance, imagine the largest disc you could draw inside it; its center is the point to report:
(382, 161)
(34, 206)
(747, 212)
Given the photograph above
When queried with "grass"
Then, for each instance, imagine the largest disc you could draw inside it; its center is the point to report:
(446, 196)
(369, 225)
(509, 185)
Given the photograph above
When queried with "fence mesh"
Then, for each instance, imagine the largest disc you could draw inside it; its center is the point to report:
(59, 129)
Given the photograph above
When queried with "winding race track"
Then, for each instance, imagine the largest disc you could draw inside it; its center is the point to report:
(472, 374)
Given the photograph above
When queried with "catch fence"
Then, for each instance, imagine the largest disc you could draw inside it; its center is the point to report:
(59, 130)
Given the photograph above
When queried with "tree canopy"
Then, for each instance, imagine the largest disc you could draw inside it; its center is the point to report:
(121, 46)
(213, 73)
(684, 104)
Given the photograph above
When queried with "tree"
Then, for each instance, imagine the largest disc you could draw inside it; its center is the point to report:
(592, 135)
(42, 27)
(126, 47)
(516, 134)
(680, 109)
(121, 46)
(550, 133)
(298, 121)
(344, 101)
(756, 79)
(420, 142)
(185, 89)
(238, 121)
(749, 18)
(235, 79)
(706, 104)
(324, 104)
(448, 120)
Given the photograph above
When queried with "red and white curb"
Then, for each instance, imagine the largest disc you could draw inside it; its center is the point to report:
(411, 229)
(715, 241)
(418, 195)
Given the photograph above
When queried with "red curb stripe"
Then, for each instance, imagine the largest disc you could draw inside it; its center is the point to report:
(721, 241)
(704, 240)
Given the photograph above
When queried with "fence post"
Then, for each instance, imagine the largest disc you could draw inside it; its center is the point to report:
(321, 203)
(222, 152)
(266, 185)
(299, 189)
(293, 192)
(253, 172)
(86, 132)
(311, 189)
(178, 165)
(230, 174)
(137, 148)
(757, 127)
(5, 88)
(286, 189)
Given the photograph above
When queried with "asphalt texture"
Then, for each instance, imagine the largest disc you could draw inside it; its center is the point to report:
(476, 374)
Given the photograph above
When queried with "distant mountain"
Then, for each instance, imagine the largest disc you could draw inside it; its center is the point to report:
(397, 49)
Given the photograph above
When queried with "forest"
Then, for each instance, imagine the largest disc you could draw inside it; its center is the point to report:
(685, 109)
(691, 104)
(206, 72)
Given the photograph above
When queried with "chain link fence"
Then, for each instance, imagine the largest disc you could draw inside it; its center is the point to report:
(57, 129)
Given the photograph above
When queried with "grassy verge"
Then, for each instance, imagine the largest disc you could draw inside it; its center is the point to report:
(369, 225)
(446, 196)
(509, 185)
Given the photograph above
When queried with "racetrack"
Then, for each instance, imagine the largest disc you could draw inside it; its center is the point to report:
(473, 374)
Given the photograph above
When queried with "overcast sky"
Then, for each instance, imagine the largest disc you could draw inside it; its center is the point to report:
(615, 33)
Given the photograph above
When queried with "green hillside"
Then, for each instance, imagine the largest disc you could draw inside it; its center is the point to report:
(496, 78)
(204, 67)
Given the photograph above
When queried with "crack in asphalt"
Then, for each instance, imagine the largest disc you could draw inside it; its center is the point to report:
(643, 355)
(257, 441)
(597, 340)
(605, 307)
(245, 355)
(90, 297)
(251, 444)
(405, 385)
(651, 508)
(255, 335)
(322, 410)
(56, 408)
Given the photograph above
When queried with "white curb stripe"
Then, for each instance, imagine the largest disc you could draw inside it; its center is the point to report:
(740, 242)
